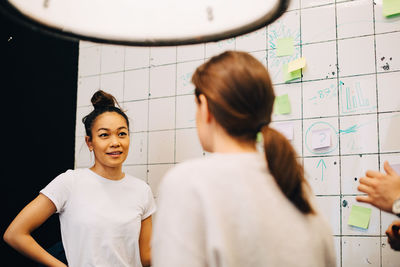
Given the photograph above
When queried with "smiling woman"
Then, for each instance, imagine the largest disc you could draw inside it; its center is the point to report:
(105, 214)
(107, 135)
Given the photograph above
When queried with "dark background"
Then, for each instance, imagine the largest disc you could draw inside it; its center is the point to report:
(38, 103)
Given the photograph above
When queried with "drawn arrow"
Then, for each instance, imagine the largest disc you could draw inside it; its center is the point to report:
(351, 129)
(323, 166)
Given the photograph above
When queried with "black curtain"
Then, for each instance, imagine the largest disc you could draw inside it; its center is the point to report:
(38, 99)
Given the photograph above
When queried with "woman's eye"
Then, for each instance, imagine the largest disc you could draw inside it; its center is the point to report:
(123, 134)
(103, 135)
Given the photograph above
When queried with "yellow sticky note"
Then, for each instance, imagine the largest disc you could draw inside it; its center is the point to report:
(390, 7)
(359, 216)
(289, 76)
(296, 64)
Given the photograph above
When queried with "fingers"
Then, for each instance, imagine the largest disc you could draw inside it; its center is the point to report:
(367, 181)
(365, 189)
(365, 199)
(389, 232)
(388, 169)
(393, 234)
(396, 229)
(393, 231)
(373, 174)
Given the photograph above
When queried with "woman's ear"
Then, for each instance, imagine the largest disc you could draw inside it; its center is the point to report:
(203, 107)
(88, 141)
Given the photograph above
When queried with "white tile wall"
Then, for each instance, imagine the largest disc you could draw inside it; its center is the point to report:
(112, 58)
(326, 31)
(354, 19)
(322, 174)
(161, 113)
(136, 57)
(358, 104)
(162, 81)
(387, 52)
(136, 84)
(356, 61)
(320, 65)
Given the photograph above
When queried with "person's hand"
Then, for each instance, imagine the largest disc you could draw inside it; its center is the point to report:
(381, 189)
(393, 234)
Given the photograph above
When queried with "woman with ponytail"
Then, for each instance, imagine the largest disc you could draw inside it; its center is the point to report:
(105, 214)
(238, 207)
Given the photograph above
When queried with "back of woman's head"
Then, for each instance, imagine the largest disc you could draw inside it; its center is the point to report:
(102, 102)
(239, 92)
(240, 96)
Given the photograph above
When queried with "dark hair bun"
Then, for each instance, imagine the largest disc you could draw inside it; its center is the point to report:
(101, 99)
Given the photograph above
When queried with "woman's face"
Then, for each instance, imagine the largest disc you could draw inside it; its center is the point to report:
(110, 140)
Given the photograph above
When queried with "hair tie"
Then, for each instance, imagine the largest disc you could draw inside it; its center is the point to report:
(259, 136)
(261, 125)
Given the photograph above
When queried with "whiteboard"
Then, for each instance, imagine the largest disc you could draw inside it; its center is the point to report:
(349, 89)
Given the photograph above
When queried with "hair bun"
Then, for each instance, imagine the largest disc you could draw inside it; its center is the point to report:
(101, 99)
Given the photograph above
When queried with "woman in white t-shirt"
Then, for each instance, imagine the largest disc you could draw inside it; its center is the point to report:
(105, 214)
(238, 207)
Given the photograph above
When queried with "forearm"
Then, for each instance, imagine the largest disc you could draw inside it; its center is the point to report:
(144, 241)
(145, 257)
(26, 245)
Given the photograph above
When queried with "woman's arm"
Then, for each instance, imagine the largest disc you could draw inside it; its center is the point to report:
(18, 233)
(144, 241)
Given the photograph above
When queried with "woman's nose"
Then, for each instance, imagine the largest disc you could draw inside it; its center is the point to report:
(115, 142)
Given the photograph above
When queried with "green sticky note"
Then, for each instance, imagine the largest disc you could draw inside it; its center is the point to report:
(284, 47)
(282, 104)
(390, 7)
(359, 216)
(259, 137)
(290, 76)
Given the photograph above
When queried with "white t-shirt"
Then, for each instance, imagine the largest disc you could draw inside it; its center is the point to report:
(100, 218)
(227, 211)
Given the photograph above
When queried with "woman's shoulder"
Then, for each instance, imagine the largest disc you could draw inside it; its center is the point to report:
(186, 174)
(69, 174)
(190, 166)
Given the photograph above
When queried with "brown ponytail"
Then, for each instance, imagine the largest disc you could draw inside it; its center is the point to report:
(240, 96)
(283, 165)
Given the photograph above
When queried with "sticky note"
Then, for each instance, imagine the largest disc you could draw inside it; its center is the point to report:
(396, 168)
(359, 216)
(286, 129)
(289, 76)
(284, 47)
(390, 7)
(321, 138)
(282, 104)
(259, 137)
(296, 64)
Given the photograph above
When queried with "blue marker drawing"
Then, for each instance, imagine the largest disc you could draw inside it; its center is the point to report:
(351, 129)
(353, 99)
(323, 166)
(186, 78)
(280, 30)
(323, 95)
(277, 31)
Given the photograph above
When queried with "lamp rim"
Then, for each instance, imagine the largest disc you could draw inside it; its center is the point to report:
(14, 14)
